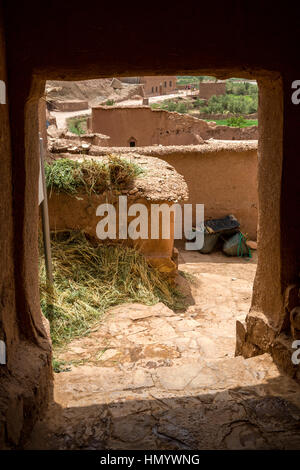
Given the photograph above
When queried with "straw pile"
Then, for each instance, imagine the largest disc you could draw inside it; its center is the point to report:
(90, 176)
(89, 279)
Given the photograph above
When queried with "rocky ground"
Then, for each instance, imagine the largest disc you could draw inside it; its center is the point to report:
(149, 378)
(93, 91)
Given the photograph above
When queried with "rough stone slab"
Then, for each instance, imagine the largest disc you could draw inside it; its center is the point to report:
(139, 311)
(178, 377)
(89, 379)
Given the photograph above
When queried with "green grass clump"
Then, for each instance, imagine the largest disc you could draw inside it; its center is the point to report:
(237, 123)
(122, 172)
(60, 366)
(89, 279)
(90, 176)
(77, 125)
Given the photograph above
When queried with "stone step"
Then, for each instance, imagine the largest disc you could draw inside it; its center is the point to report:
(92, 383)
(234, 403)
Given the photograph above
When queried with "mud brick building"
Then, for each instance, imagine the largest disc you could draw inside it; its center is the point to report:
(153, 86)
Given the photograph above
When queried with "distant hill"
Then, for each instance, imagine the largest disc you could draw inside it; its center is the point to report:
(94, 91)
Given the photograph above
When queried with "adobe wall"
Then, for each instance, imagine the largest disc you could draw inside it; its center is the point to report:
(209, 89)
(223, 177)
(154, 127)
(26, 378)
(220, 175)
(72, 105)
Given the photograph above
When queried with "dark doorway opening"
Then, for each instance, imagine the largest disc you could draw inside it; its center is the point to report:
(132, 142)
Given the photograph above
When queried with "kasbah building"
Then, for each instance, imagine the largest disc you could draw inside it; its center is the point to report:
(154, 86)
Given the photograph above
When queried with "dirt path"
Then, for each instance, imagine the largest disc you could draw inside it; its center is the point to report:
(61, 116)
(149, 378)
(158, 98)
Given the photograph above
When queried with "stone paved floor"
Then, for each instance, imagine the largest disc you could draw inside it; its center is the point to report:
(149, 378)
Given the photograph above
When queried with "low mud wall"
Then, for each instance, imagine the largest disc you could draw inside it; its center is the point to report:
(144, 126)
(70, 212)
(214, 116)
(220, 175)
(70, 105)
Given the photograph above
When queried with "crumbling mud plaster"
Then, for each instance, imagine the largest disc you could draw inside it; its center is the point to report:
(263, 53)
(159, 127)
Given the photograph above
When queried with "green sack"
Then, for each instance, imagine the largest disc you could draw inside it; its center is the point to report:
(210, 241)
(236, 246)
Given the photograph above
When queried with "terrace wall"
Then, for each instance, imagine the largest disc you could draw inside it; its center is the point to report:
(159, 127)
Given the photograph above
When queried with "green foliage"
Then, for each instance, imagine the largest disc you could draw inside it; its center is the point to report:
(170, 105)
(240, 98)
(60, 176)
(187, 80)
(205, 78)
(77, 125)
(197, 103)
(59, 366)
(109, 102)
(182, 108)
(238, 104)
(236, 121)
(244, 123)
(193, 80)
(90, 176)
(242, 88)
